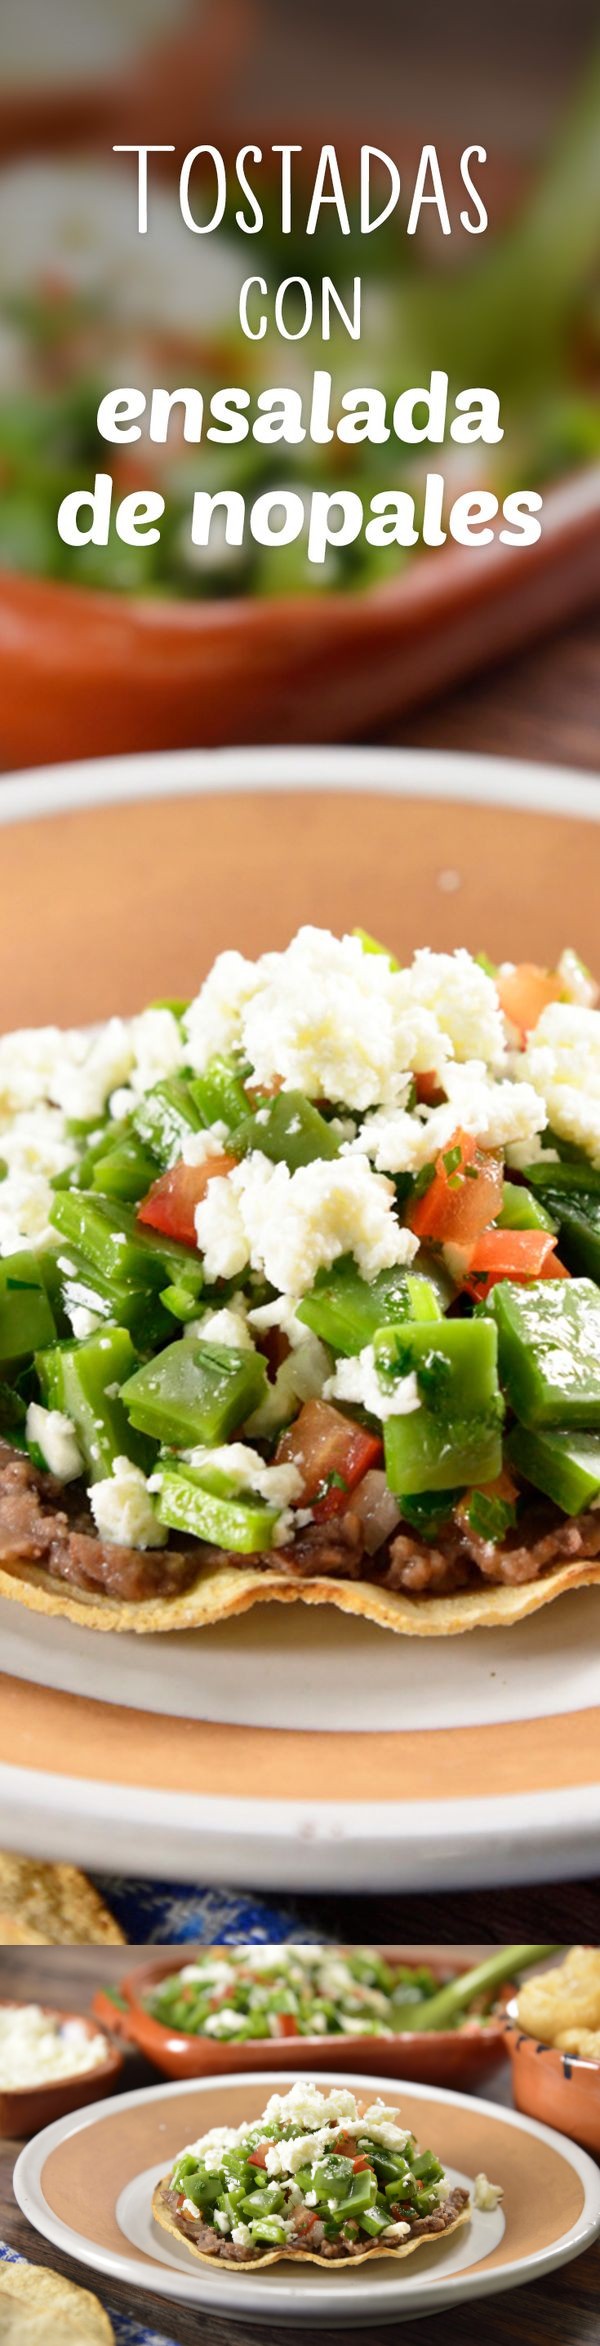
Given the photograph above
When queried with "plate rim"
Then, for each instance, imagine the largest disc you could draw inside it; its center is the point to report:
(519, 1837)
(470, 776)
(513, 2274)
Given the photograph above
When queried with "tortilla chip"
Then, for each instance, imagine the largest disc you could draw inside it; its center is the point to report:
(51, 1906)
(221, 1590)
(305, 2256)
(37, 2305)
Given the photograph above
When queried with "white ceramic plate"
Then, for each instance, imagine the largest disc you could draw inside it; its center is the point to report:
(295, 1670)
(302, 1670)
(116, 2153)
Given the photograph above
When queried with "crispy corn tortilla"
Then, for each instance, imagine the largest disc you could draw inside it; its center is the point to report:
(305, 2256)
(221, 1590)
(37, 2305)
(51, 1906)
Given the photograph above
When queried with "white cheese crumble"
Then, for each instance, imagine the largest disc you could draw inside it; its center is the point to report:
(80, 1072)
(28, 1062)
(26, 1201)
(83, 1321)
(562, 1060)
(199, 1147)
(246, 1469)
(397, 2231)
(34, 1147)
(497, 1113)
(33, 2047)
(288, 1224)
(122, 1508)
(157, 1047)
(486, 2195)
(227, 1326)
(214, 1021)
(220, 1231)
(461, 997)
(54, 1434)
(319, 2116)
(83, 1081)
(356, 1379)
(223, 2023)
(339, 1023)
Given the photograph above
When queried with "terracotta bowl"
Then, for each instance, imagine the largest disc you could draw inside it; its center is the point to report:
(25, 2109)
(81, 670)
(463, 2058)
(559, 2088)
(153, 97)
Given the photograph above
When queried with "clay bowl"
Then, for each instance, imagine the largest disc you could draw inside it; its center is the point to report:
(561, 2089)
(152, 96)
(76, 664)
(25, 2109)
(463, 2058)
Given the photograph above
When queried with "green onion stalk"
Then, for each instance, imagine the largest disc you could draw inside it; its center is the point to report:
(445, 2009)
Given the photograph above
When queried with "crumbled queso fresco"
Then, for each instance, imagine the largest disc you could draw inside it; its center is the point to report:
(321, 2115)
(35, 2048)
(341, 1025)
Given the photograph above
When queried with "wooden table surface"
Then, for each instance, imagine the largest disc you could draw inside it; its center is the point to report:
(545, 704)
(561, 2311)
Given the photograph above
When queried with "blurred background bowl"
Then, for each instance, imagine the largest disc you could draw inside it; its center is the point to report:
(82, 70)
(25, 2109)
(465, 2057)
(561, 2089)
(86, 673)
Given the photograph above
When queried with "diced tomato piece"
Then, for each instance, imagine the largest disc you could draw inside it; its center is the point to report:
(305, 2218)
(524, 991)
(171, 1202)
(464, 1195)
(258, 2157)
(286, 2025)
(428, 1089)
(345, 2146)
(511, 1254)
(322, 1443)
(360, 2164)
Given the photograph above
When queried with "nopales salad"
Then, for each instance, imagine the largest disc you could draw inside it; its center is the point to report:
(316, 2176)
(237, 1994)
(299, 1293)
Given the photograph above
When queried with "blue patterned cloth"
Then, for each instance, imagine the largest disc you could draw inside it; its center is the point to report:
(155, 1914)
(128, 2330)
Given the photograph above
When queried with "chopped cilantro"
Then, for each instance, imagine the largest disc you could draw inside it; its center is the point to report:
(490, 1517)
(434, 1378)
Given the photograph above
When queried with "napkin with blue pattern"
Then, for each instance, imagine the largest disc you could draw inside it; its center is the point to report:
(163, 1914)
(128, 2330)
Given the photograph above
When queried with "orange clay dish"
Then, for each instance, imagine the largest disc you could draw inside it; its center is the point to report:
(552, 2033)
(317, 2178)
(300, 1295)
